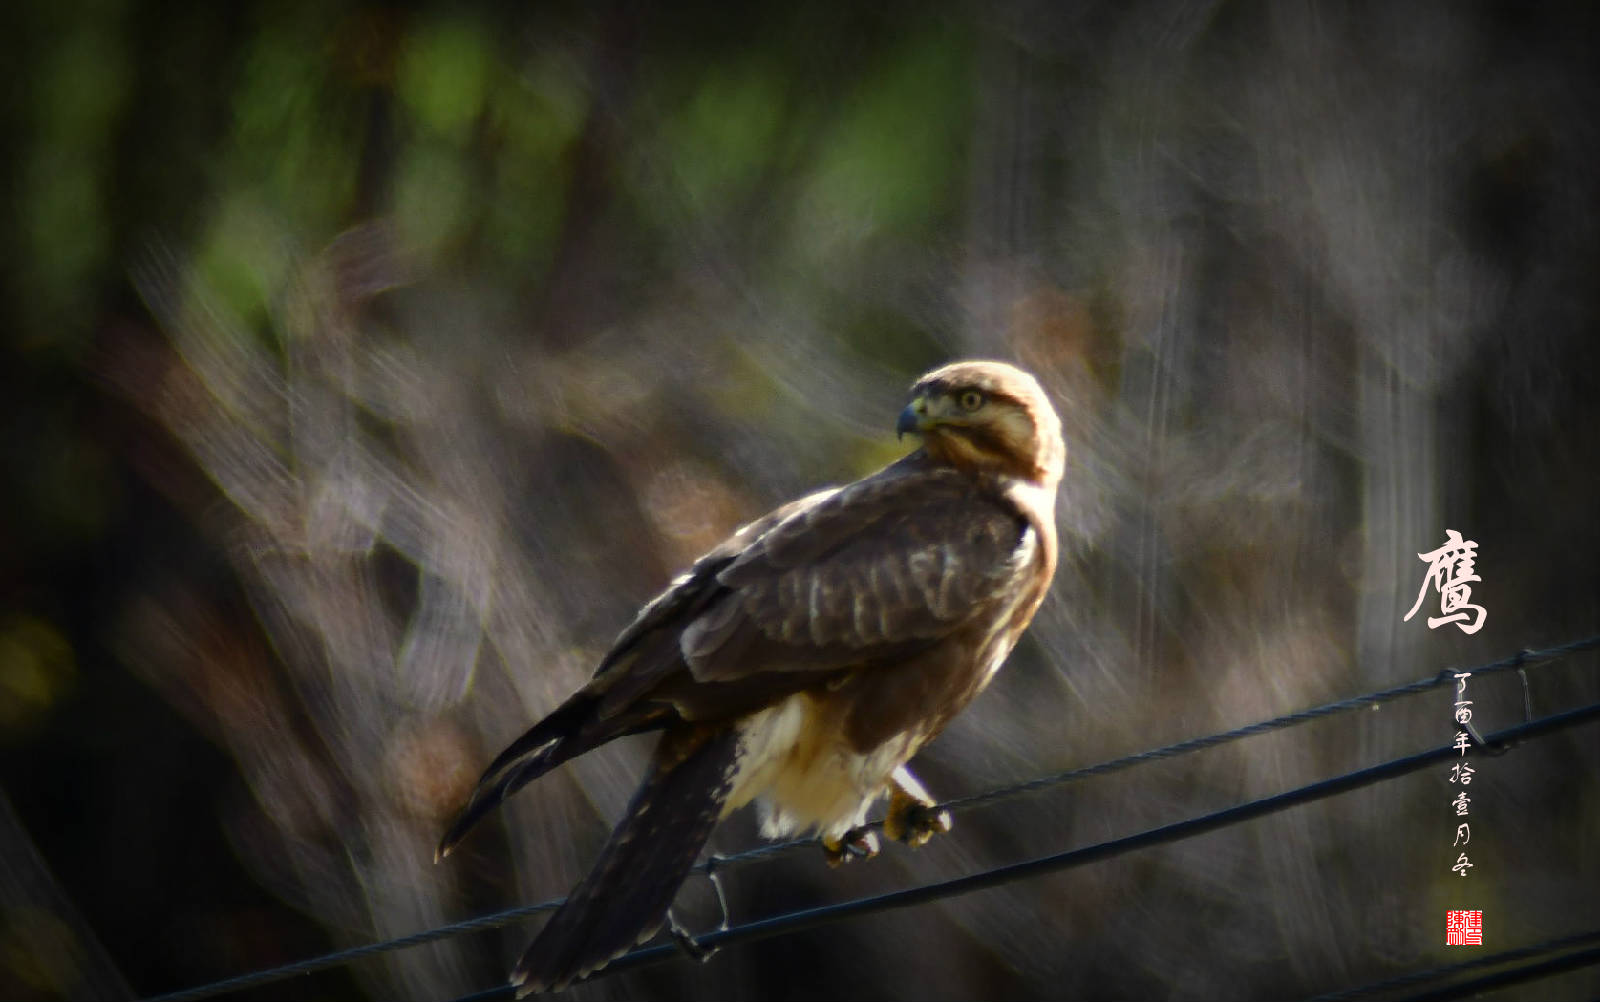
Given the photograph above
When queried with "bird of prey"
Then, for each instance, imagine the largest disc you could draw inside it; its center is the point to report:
(804, 661)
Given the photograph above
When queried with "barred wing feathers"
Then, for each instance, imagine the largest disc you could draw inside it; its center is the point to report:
(870, 575)
(861, 576)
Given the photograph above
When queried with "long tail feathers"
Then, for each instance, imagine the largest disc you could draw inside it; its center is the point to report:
(570, 730)
(625, 897)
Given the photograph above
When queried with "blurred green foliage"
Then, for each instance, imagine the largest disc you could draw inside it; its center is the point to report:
(36, 671)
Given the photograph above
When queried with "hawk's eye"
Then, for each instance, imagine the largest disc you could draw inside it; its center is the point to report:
(971, 400)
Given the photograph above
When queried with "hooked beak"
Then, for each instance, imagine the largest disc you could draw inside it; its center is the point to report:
(911, 418)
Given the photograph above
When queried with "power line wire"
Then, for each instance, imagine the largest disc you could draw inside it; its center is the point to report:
(1516, 662)
(1477, 963)
(1515, 976)
(339, 958)
(828, 914)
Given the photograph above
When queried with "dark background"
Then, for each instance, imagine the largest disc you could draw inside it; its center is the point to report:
(365, 367)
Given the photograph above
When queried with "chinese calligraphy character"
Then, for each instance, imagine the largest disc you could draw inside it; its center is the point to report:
(1450, 573)
(1459, 926)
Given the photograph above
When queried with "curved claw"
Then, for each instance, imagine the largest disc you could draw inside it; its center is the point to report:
(686, 940)
(857, 843)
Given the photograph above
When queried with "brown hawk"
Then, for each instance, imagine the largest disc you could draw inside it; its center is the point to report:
(806, 659)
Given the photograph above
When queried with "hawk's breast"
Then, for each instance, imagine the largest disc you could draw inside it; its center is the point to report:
(796, 760)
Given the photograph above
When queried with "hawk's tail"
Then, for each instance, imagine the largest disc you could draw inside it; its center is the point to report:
(625, 897)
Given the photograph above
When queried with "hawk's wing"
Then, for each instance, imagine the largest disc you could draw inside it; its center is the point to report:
(859, 576)
(869, 574)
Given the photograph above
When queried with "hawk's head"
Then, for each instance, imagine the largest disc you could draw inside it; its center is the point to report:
(987, 417)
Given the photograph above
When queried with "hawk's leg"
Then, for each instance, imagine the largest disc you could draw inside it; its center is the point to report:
(686, 940)
(911, 818)
(857, 843)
